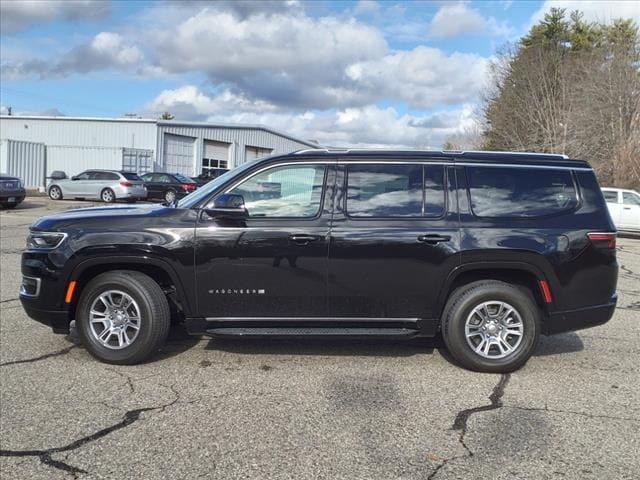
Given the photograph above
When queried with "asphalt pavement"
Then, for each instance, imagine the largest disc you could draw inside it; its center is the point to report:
(313, 409)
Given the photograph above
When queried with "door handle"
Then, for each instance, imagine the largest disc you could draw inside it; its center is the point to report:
(433, 239)
(302, 239)
(627, 208)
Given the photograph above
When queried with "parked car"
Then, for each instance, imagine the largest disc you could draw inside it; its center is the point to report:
(491, 250)
(209, 174)
(106, 185)
(168, 186)
(624, 208)
(12, 191)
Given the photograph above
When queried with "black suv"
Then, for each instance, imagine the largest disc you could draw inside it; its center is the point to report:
(488, 249)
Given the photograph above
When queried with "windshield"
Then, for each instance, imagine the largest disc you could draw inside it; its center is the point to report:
(198, 195)
(130, 176)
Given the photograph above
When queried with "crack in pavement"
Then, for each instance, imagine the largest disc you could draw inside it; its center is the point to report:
(125, 376)
(10, 300)
(462, 419)
(129, 418)
(64, 351)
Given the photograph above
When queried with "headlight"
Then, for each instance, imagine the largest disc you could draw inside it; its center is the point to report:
(45, 240)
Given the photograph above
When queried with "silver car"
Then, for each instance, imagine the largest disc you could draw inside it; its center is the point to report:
(106, 185)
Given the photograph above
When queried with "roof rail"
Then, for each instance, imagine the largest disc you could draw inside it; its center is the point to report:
(454, 152)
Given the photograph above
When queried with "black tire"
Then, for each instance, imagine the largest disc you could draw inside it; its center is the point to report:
(57, 192)
(170, 196)
(461, 304)
(155, 316)
(107, 195)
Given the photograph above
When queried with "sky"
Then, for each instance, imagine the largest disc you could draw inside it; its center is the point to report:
(356, 73)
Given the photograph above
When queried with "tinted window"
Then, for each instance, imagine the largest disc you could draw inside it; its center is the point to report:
(433, 190)
(131, 176)
(85, 176)
(148, 177)
(610, 197)
(520, 192)
(291, 191)
(630, 198)
(105, 176)
(395, 190)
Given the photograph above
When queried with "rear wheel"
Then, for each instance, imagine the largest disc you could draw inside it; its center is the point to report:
(123, 317)
(55, 193)
(108, 196)
(170, 196)
(491, 326)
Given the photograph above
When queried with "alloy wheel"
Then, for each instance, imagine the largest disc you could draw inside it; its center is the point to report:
(494, 329)
(114, 319)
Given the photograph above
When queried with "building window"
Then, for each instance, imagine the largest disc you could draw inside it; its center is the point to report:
(215, 155)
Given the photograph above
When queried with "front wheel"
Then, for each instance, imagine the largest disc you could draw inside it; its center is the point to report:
(123, 317)
(491, 326)
(55, 193)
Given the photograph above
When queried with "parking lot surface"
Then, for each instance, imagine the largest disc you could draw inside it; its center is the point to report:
(315, 408)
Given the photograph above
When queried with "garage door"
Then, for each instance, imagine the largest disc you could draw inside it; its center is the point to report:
(215, 155)
(252, 153)
(178, 154)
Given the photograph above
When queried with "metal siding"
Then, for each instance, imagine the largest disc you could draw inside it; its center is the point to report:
(86, 133)
(25, 160)
(74, 160)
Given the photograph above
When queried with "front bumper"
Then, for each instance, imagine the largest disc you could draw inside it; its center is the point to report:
(570, 320)
(58, 320)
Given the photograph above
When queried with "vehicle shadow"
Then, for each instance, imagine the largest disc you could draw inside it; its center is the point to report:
(26, 205)
(558, 344)
(376, 347)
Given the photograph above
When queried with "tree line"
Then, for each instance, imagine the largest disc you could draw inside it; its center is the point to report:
(569, 86)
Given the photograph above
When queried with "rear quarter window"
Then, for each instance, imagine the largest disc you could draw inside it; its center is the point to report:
(520, 192)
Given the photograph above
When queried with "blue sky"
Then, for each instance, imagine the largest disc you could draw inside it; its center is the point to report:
(348, 72)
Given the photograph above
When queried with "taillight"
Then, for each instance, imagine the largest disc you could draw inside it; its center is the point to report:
(189, 187)
(124, 183)
(605, 240)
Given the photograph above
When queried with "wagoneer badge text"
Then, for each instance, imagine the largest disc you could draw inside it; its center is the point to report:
(238, 291)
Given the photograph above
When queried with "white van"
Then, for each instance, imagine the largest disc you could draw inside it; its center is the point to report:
(624, 207)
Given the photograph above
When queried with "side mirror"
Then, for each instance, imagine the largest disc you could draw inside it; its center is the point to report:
(227, 205)
(75, 177)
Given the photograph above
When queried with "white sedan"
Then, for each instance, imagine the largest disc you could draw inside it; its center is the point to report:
(624, 207)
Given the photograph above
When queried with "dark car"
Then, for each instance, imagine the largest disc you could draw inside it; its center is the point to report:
(488, 249)
(12, 191)
(168, 186)
(209, 174)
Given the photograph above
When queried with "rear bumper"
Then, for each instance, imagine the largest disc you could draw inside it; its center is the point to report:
(571, 320)
(58, 320)
(15, 196)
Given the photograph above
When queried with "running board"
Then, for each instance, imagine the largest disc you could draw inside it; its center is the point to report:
(310, 332)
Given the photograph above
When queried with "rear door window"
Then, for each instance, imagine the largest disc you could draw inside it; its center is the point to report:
(610, 197)
(630, 198)
(520, 192)
(395, 190)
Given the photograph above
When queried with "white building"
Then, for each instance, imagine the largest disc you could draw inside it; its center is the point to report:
(33, 147)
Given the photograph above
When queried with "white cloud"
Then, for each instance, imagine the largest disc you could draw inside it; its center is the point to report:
(456, 19)
(189, 101)
(107, 50)
(368, 125)
(422, 77)
(594, 11)
(284, 58)
(20, 15)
